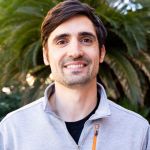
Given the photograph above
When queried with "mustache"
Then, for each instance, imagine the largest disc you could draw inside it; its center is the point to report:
(85, 59)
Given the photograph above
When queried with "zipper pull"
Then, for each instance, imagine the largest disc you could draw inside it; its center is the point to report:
(96, 129)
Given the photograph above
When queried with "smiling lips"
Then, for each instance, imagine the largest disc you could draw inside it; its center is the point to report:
(75, 65)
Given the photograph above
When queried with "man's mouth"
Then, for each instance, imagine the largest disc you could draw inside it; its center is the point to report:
(75, 65)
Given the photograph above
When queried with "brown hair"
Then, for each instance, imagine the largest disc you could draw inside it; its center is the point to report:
(64, 11)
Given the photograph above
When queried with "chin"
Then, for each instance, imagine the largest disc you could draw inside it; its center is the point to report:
(77, 82)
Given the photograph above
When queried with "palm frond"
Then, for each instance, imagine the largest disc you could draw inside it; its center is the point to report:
(143, 62)
(126, 74)
(110, 83)
(127, 26)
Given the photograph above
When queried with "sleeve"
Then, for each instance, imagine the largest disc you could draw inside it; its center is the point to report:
(1, 139)
(146, 144)
(148, 139)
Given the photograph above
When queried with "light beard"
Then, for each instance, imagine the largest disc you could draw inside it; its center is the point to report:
(75, 78)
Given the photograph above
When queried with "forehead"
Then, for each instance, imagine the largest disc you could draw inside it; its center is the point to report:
(74, 26)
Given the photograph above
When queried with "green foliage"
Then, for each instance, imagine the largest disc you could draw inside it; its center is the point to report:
(9, 102)
(125, 26)
(126, 74)
(20, 37)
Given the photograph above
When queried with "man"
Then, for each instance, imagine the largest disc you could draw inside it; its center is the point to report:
(74, 112)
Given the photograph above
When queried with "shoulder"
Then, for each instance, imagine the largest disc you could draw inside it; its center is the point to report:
(27, 110)
(126, 116)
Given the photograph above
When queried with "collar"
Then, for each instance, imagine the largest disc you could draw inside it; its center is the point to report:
(47, 94)
(102, 111)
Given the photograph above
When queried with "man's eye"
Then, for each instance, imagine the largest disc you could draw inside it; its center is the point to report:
(61, 42)
(86, 41)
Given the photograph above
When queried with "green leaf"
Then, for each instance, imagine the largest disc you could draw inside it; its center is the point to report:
(126, 74)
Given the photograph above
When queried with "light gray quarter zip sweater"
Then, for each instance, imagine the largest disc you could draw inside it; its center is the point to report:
(36, 127)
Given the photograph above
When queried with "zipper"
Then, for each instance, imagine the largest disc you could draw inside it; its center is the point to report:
(96, 131)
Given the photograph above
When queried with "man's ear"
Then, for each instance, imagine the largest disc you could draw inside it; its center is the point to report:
(45, 56)
(102, 53)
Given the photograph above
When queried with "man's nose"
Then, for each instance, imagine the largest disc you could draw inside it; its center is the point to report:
(75, 49)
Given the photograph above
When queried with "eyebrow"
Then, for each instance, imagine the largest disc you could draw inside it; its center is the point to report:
(87, 34)
(57, 37)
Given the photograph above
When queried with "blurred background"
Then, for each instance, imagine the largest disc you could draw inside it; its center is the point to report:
(125, 72)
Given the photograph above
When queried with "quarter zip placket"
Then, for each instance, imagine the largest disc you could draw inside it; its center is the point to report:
(95, 128)
(84, 136)
(96, 131)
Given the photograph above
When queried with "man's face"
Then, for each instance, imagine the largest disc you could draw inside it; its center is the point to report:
(73, 52)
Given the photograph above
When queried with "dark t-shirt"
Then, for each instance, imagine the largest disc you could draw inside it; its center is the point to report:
(75, 128)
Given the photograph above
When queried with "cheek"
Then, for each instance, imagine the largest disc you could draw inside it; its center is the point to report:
(54, 59)
(95, 57)
(97, 60)
(94, 54)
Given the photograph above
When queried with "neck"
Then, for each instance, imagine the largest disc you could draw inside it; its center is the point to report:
(72, 104)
